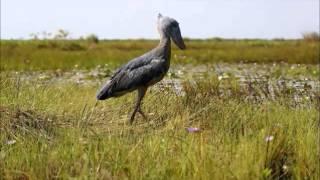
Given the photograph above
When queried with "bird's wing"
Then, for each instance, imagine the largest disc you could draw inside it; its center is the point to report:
(137, 72)
(129, 78)
(136, 76)
(134, 63)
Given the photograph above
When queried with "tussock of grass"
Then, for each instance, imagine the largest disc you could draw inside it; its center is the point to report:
(17, 121)
(92, 140)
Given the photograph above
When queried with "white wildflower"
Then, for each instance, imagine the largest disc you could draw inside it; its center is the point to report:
(10, 142)
(285, 167)
(269, 138)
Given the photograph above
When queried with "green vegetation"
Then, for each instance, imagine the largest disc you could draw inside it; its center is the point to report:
(65, 54)
(53, 128)
(57, 131)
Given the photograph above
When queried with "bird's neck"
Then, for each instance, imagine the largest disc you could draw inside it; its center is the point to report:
(165, 46)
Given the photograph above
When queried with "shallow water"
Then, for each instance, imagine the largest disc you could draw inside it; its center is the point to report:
(257, 81)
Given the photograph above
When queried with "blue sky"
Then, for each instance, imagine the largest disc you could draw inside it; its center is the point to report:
(137, 18)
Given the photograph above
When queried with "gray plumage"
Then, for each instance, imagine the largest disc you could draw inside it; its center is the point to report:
(146, 70)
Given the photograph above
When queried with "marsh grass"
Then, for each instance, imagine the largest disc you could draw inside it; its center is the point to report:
(65, 54)
(60, 131)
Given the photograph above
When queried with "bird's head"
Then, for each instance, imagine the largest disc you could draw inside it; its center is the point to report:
(169, 27)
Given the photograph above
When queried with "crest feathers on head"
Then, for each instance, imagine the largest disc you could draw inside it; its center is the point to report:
(160, 16)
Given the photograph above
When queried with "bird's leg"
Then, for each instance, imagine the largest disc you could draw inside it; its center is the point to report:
(141, 93)
(142, 113)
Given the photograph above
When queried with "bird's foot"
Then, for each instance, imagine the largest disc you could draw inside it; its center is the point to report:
(134, 113)
(142, 114)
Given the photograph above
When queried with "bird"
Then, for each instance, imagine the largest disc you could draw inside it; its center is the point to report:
(146, 70)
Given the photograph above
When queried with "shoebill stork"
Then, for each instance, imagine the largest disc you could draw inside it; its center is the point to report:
(146, 70)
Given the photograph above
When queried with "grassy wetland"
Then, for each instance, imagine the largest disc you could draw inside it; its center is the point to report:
(252, 106)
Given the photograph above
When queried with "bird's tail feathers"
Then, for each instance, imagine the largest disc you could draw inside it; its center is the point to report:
(104, 92)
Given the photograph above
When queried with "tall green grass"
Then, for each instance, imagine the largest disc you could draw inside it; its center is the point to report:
(63, 54)
(60, 132)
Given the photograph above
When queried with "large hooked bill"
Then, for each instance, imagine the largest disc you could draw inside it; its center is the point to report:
(177, 39)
